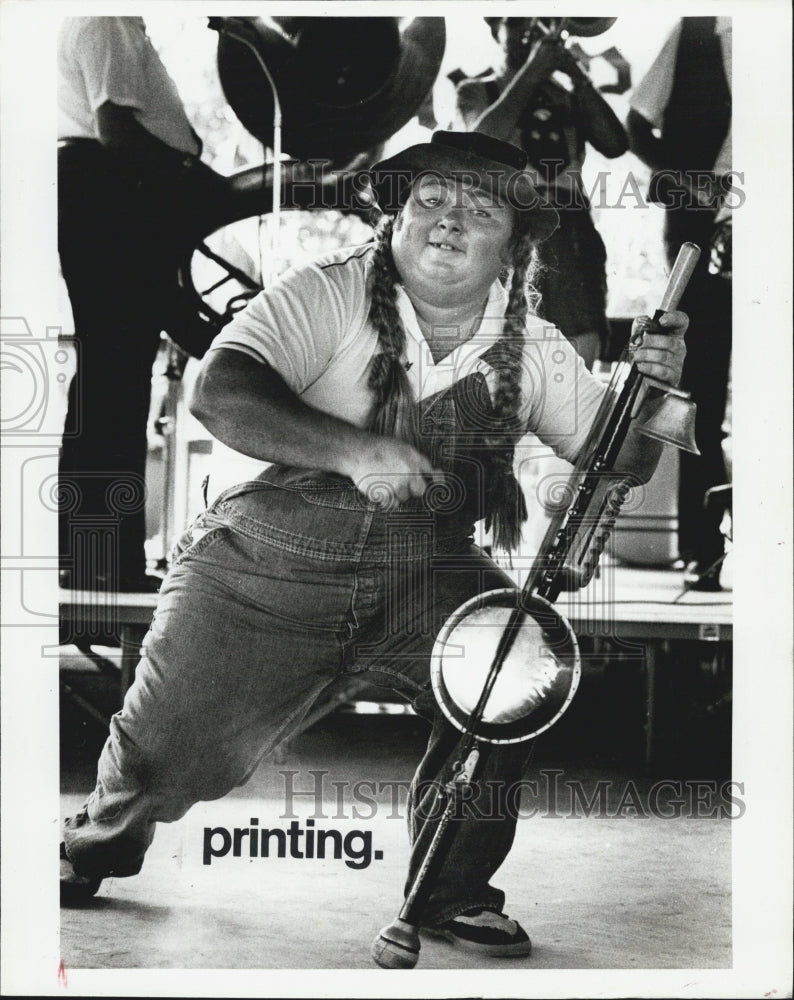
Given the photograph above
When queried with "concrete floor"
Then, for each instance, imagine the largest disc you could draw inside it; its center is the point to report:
(593, 893)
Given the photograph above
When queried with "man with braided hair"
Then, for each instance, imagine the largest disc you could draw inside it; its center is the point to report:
(388, 384)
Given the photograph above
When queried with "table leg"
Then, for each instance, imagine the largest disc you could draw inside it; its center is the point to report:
(132, 637)
(84, 704)
(650, 699)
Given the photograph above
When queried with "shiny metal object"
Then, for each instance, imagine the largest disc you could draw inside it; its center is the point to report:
(580, 27)
(562, 30)
(536, 682)
(669, 416)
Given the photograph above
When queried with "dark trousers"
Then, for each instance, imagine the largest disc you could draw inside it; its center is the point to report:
(707, 301)
(113, 248)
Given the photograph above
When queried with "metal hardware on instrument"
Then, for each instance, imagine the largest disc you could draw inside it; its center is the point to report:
(562, 30)
(669, 415)
(506, 664)
(345, 84)
(586, 27)
(567, 27)
(683, 268)
(537, 680)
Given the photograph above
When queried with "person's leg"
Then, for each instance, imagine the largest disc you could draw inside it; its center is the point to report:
(103, 463)
(397, 653)
(705, 375)
(243, 639)
(707, 302)
(107, 264)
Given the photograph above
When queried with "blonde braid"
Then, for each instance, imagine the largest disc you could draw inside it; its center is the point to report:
(505, 505)
(393, 412)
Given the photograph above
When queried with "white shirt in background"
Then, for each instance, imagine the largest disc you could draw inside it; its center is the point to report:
(112, 59)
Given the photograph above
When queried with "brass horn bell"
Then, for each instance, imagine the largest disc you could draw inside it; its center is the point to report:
(668, 415)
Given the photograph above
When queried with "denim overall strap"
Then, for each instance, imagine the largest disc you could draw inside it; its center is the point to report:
(454, 426)
(456, 417)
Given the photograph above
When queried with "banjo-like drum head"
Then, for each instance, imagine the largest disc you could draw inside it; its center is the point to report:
(536, 682)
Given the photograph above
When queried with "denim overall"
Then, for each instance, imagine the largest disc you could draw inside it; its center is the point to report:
(282, 589)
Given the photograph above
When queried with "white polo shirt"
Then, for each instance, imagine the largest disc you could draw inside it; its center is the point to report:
(312, 327)
(112, 59)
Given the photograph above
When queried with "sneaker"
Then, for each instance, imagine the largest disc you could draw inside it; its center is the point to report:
(75, 889)
(486, 932)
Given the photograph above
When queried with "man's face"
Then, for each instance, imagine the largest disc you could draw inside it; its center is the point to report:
(451, 240)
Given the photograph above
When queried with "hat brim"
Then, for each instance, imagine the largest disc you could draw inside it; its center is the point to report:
(391, 180)
(311, 130)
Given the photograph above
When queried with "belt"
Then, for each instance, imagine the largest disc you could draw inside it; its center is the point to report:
(187, 161)
(78, 141)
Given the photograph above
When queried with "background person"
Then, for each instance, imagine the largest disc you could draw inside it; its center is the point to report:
(680, 125)
(525, 103)
(128, 176)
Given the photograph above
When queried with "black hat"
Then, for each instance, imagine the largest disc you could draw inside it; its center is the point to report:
(345, 84)
(494, 166)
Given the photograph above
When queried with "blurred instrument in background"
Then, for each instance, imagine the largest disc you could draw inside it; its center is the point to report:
(345, 84)
(336, 89)
(193, 317)
(563, 30)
